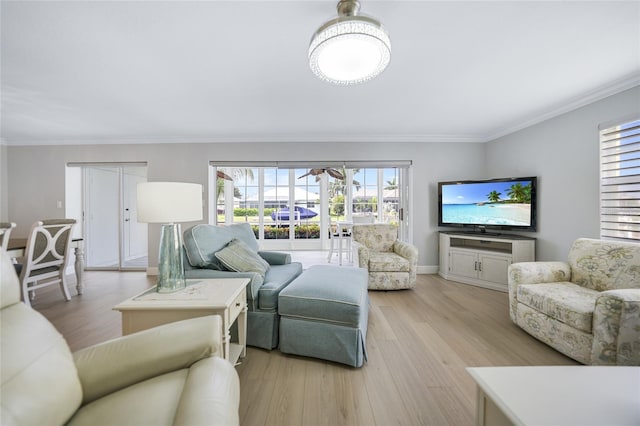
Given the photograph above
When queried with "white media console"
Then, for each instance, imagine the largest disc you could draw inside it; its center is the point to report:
(482, 259)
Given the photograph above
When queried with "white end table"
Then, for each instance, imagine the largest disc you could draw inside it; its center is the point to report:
(226, 297)
(558, 395)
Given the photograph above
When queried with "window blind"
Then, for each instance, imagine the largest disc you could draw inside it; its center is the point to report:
(620, 181)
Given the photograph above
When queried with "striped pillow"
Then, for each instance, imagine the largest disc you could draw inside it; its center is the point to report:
(237, 256)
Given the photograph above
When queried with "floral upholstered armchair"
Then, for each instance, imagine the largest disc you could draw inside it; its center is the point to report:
(587, 308)
(391, 263)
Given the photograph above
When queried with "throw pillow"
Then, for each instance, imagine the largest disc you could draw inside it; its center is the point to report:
(201, 242)
(237, 256)
(243, 232)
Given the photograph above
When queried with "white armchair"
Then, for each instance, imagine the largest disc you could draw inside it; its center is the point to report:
(165, 375)
(391, 263)
(587, 308)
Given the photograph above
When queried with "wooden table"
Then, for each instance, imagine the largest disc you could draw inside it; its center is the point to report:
(17, 246)
(226, 297)
(558, 395)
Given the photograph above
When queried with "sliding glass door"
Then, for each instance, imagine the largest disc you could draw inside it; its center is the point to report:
(290, 207)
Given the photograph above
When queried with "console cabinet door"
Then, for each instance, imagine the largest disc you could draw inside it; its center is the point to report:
(464, 263)
(494, 268)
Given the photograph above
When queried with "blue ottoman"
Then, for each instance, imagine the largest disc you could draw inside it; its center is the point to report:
(323, 314)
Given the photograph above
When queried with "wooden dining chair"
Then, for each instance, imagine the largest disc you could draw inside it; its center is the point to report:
(5, 234)
(46, 257)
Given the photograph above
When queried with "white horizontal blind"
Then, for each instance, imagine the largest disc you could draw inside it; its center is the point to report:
(620, 181)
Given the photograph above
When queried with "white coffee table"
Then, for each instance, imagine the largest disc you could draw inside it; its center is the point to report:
(226, 297)
(558, 395)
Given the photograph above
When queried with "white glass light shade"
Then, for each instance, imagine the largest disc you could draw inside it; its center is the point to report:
(349, 50)
(168, 202)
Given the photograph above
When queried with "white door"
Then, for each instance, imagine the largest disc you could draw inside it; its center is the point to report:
(114, 238)
(134, 234)
(101, 217)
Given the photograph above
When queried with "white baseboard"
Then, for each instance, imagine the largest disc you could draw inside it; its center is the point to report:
(152, 271)
(427, 269)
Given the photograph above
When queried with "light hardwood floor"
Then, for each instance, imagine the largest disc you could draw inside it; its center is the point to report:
(418, 343)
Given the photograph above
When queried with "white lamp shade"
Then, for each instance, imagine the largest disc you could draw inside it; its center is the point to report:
(168, 202)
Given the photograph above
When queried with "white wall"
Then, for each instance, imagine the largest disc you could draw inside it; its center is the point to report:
(37, 174)
(4, 200)
(563, 152)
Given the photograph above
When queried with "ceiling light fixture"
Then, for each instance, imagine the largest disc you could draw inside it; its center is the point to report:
(350, 48)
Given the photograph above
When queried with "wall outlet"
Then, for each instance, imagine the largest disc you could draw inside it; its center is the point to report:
(59, 204)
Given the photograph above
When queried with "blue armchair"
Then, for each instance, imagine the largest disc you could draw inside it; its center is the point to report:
(203, 242)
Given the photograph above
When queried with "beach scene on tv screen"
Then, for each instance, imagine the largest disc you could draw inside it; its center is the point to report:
(487, 203)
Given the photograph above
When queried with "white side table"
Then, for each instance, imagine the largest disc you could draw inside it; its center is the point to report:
(558, 395)
(226, 297)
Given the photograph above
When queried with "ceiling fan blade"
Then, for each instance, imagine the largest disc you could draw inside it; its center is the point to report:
(335, 174)
(222, 175)
(312, 172)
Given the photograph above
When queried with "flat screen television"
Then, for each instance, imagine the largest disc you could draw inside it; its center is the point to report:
(498, 204)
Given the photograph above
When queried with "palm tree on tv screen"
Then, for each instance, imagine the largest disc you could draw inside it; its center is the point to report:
(494, 196)
(519, 193)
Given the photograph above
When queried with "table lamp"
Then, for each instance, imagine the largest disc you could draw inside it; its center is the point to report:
(168, 203)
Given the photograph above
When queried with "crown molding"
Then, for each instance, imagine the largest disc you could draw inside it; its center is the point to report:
(600, 93)
(253, 139)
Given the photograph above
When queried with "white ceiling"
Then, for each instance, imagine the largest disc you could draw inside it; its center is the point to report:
(212, 71)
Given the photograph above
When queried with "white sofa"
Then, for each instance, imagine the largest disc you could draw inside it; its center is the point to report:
(588, 308)
(161, 376)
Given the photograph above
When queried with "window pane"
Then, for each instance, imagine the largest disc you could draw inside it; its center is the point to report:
(245, 191)
(391, 196)
(365, 193)
(336, 197)
(222, 176)
(307, 205)
(276, 203)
